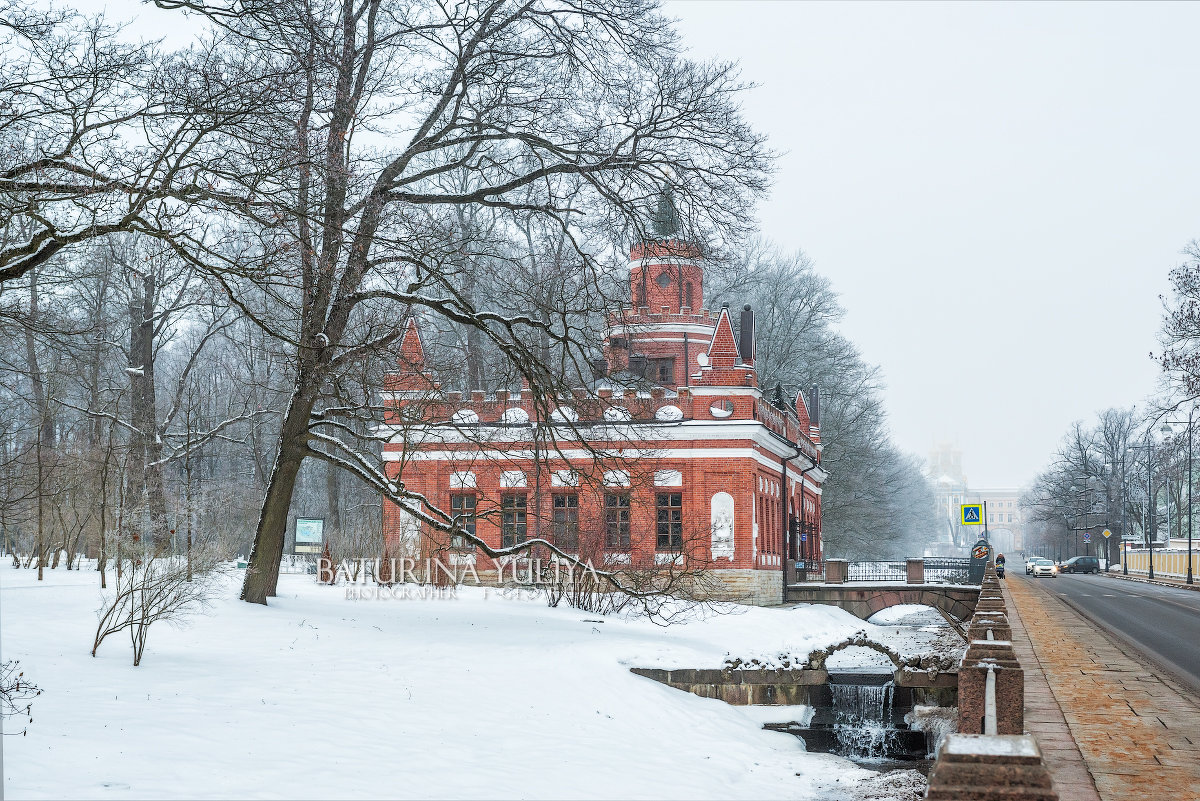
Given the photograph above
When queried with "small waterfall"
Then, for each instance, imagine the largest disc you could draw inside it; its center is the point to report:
(862, 722)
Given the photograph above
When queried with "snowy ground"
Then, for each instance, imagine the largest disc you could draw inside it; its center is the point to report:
(484, 696)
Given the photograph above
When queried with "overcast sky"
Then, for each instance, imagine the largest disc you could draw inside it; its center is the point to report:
(998, 191)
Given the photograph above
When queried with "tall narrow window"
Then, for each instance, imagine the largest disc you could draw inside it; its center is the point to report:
(514, 523)
(666, 371)
(616, 521)
(687, 295)
(565, 521)
(669, 508)
(464, 505)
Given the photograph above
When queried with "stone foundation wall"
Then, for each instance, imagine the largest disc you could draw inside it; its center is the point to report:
(791, 686)
(755, 587)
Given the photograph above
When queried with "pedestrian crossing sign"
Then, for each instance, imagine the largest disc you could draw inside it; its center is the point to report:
(972, 514)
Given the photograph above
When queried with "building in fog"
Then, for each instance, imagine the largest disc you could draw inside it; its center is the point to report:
(1003, 515)
(1005, 526)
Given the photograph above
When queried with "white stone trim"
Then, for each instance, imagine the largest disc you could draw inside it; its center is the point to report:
(514, 415)
(585, 455)
(672, 328)
(511, 479)
(668, 478)
(753, 392)
(564, 478)
(616, 478)
(462, 479)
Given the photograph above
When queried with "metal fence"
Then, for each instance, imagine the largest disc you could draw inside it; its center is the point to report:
(947, 570)
(887, 570)
(810, 570)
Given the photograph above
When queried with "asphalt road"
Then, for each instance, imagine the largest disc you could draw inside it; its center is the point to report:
(1161, 623)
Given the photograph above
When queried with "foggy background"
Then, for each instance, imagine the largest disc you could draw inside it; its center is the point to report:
(996, 190)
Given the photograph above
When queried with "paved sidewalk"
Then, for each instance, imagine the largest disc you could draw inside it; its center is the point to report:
(1044, 719)
(1138, 735)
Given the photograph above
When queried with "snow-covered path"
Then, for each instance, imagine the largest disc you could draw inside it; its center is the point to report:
(317, 696)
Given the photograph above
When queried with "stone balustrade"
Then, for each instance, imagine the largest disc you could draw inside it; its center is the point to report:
(999, 760)
(972, 767)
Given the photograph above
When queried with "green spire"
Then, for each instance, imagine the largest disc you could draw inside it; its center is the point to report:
(664, 220)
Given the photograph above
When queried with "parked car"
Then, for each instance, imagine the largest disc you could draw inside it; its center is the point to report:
(1080, 564)
(1044, 567)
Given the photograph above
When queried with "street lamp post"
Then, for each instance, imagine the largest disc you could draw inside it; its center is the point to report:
(1124, 560)
(1148, 523)
(1191, 415)
(1151, 513)
(1189, 494)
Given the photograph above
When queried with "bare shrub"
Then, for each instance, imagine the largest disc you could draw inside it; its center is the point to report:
(154, 588)
(662, 587)
(16, 694)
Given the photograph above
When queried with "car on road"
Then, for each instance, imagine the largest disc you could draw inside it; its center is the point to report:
(1080, 564)
(1029, 564)
(1044, 567)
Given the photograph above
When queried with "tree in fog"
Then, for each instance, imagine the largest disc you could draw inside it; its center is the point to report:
(876, 501)
(1094, 473)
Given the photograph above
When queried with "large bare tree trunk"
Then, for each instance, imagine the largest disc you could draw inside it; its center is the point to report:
(262, 572)
(333, 492)
(145, 477)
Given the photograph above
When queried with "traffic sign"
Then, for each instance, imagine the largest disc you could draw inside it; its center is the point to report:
(1087, 536)
(1106, 533)
(972, 514)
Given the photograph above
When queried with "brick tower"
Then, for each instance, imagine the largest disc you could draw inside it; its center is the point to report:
(703, 465)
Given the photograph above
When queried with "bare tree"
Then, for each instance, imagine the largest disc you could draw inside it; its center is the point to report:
(1087, 483)
(571, 112)
(92, 142)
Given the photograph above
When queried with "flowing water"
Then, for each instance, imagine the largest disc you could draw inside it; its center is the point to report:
(863, 722)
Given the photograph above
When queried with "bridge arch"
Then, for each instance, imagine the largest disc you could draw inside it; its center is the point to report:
(817, 659)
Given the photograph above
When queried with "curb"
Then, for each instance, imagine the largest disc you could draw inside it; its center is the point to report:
(1139, 579)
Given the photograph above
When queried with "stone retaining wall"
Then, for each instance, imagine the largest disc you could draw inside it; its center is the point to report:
(792, 686)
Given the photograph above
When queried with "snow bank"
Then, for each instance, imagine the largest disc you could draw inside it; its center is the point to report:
(317, 696)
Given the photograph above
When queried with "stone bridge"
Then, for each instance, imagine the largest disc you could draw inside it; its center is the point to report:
(864, 600)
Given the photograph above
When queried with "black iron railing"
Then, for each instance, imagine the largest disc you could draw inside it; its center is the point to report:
(937, 571)
(886, 570)
(948, 570)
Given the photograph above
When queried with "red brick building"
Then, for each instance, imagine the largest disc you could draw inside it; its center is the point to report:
(675, 452)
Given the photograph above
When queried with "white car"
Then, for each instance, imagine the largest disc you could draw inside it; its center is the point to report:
(1044, 567)
(1029, 564)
